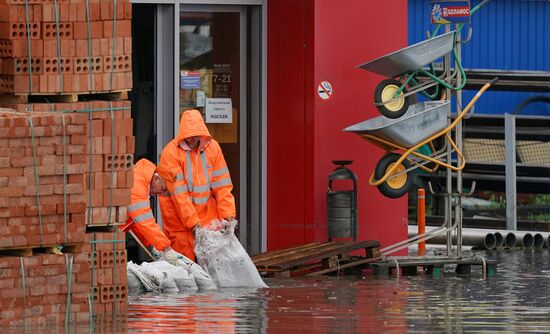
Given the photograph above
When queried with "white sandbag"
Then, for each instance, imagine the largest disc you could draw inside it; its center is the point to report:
(134, 284)
(148, 284)
(161, 278)
(221, 254)
(182, 278)
(202, 279)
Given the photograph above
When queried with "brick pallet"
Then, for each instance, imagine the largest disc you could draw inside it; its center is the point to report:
(41, 191)
(74, 48)
(111, 176)
(74, 180)
(98, 149)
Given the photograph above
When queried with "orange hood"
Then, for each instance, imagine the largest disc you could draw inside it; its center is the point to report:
(144, 170)
(192, 124)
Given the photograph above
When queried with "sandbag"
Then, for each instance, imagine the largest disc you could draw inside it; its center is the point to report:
(181, 277)
(134, 283)
(221, 254)
(147, 283)
(202, 279)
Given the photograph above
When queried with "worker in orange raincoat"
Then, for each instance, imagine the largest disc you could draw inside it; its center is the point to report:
(198, 182)
(140, 219)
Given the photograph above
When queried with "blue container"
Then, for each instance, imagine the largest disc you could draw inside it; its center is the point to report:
(507, 35)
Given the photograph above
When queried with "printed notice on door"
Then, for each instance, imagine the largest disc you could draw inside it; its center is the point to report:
(218, 111)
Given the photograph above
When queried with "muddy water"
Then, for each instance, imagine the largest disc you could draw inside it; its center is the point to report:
(516, 300)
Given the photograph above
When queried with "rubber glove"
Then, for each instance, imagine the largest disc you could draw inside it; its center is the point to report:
(171, 256)
(157, 255)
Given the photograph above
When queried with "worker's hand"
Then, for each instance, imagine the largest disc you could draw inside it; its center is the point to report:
(171, 256)
(156, 254)
(197, 226)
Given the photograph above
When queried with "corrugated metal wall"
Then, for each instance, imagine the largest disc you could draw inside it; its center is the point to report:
(507, 35)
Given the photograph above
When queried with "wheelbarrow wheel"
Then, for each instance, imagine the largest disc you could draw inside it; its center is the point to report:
(385, 91)
(397, 186)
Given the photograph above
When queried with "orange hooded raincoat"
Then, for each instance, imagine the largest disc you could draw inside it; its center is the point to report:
(198, 181)
(140, 218)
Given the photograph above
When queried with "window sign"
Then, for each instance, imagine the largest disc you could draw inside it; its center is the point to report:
(218, 111)
(190, 79)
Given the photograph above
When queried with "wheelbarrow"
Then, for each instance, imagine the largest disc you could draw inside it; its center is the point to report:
(405, 67)
(392, 97)
(424, 123)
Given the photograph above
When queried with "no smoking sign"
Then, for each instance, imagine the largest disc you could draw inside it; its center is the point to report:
(325, 90)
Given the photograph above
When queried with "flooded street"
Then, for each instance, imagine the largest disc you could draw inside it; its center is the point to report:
(517, 299)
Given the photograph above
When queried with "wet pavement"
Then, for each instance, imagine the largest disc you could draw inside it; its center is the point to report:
(517, 299)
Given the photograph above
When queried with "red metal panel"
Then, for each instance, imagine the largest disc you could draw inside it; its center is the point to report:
(308, 42)
(286, 153)
(348, 33)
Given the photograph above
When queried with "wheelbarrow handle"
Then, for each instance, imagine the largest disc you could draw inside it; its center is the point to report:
(494, 81)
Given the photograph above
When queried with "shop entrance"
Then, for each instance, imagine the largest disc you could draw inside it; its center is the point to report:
(214, 78)
(205, 57)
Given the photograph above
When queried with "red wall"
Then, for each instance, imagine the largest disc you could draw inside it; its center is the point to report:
(308, 42)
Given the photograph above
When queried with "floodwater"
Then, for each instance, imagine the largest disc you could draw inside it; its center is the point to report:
(517, 299)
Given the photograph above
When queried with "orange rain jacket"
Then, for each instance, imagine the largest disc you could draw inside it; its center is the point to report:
(198, 181)
(140, 218)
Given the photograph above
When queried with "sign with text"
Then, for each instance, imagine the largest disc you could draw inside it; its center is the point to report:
(445, 12)
(218, 111)
(190, 79)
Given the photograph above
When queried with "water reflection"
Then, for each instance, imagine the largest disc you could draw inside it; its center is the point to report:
(516, 300)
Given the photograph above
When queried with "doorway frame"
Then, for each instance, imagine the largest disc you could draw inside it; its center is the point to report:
(167, 46)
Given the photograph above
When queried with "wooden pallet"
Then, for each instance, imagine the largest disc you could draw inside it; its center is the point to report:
(27, 251)
(434, 266)
(316, 258)
(63, 97)
(101, 228)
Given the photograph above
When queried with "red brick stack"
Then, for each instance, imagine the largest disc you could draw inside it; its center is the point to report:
(109, 273)
(70, 55)
(35, 289)
(64, 55)
(109, 168)
(23, 161)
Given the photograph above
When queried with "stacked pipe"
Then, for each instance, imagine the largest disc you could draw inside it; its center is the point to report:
(62, 46)
(486, 239)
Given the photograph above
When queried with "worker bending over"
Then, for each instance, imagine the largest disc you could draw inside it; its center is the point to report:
(198, 181)
(140, 219)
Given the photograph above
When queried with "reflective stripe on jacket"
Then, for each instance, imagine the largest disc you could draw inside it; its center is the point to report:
(198, 180)
(140, 219)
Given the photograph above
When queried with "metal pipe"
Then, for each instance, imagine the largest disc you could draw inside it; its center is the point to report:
(525, 240)
(500, 240)
(538, 241)
(507, 233)
(484, 240)
(510, 240)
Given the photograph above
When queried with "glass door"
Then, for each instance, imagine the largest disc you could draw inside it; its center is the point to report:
(211, 80)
